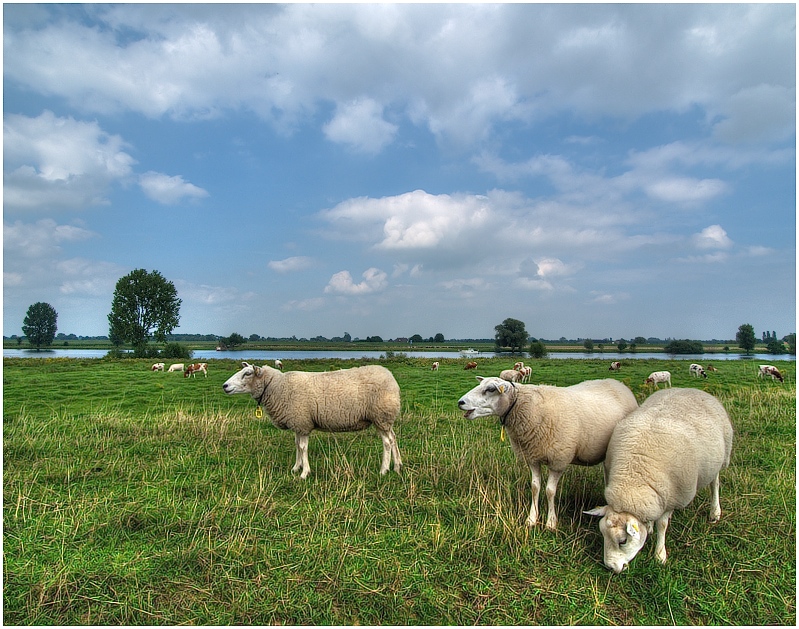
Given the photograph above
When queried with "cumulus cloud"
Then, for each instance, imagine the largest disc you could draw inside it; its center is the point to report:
(713, 237)
(341, 283)
(360, 124)
(289, 265)
(169, 190)
(40, 239)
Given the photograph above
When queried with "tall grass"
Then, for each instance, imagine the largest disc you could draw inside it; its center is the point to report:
(133, 497)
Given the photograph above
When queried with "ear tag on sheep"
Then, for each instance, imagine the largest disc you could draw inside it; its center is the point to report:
(259, 412)
(632, 529)
(502, 433)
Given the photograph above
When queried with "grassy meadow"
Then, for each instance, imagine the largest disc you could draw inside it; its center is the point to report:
(133, 497)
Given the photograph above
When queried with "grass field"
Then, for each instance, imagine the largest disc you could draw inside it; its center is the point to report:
(132, 497)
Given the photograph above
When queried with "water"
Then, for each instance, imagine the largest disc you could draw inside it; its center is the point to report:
(270, 355)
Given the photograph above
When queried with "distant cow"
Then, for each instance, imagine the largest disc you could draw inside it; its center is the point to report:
(614, 366)
(697, 370)
(435, 366)
(471, 365)
(158, 367)
(192, 370)
(770, 370)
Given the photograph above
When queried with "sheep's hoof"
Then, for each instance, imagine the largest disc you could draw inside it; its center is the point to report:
(531, 522)
(552, 526)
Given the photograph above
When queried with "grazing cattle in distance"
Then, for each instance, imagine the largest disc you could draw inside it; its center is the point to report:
(770, 370)
(615, 366)
(697, 370)
(471, 365)
(158, 367)
(192, 370)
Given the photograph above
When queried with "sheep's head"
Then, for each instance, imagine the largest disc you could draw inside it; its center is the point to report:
(249, 379)
(493, 396)
(624, 536)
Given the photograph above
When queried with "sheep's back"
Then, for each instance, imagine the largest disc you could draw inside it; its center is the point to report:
(660, 455)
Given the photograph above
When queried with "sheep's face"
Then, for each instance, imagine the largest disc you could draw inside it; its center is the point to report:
(493, 396)
(624, 536)
(243, 380)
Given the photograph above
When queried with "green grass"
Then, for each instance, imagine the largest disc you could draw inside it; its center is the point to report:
(133, 497)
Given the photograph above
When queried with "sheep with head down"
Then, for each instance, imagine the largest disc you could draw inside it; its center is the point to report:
(333, 401)
(555, 426)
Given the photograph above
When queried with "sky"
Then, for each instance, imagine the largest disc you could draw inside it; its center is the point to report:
(595, 171)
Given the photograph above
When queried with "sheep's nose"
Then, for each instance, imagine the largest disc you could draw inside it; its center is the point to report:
(461, 403)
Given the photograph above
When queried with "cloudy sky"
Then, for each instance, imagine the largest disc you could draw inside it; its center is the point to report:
(389, 169)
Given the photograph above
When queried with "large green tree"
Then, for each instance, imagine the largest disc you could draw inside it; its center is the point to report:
(39, 324)
(511, 334)
(745, 337)
(145, 306)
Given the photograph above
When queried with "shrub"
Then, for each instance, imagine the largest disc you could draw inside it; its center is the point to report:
(176, 350)
(684, 347)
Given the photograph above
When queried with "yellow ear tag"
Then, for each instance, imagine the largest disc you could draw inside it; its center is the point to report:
(502, 433)
(259, 412)
(501, 388)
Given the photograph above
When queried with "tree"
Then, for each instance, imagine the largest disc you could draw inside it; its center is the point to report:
(510, 333)
(417, 338)
(588, 344)
(621, 345)
(538, 350)
(233, 340)
(438, 338)
(39, 325)
(145, 305)
(745, 337)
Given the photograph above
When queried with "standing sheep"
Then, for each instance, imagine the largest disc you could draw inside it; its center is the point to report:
(658, 457)
(332, 401)
(511, 375)
(556, 426)
(659, 376)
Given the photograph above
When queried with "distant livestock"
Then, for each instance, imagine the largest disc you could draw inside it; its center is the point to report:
(511, 375)
(435, 366)
(345, 400)
(278, 364)
(697, 370)
(614, 366)
(710, 368)
(176, 367)
(770, 370)
(471, 365)
(192, 370)
(657, 377)
(158, 367)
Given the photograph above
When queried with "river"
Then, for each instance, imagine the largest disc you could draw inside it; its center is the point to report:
(269, 355)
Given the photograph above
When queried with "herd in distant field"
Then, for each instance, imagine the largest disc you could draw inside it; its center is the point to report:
(655, 456)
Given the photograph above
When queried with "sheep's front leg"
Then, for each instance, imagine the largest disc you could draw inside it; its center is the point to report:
(301, 460)
(715, 505)
(535, 470)
(395, 453)
(660, 546)
(552, 488)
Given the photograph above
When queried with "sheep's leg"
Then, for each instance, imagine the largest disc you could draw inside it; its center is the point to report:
(301, 461)
(385, 437)
(715, 505)
(552, 488)
(535, 470)
(660, 546)
(395, 451)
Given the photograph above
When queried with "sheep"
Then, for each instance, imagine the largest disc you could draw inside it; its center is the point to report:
(278, 364)
(711, 368)
(176, 367)
(676, 443)
(697, 370)
(556, 426)
(518, 366)
(614, 366)
(511, 375)
(192, 370)
(659, 376)
(333, 401)
(526, 372)
(470, 365)
(770, 370)
(435, 366)
(158, 367)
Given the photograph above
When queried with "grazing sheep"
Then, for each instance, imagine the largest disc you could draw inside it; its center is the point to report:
(278, 364)
(435, 366)
(614, 366)
(158, 367)
(176, 367)
(710, 368)
(697, 370)
(658, 457)
(556, 426)
(659, 376)
(770, 370)
(511, 375)
(333, 401)
(470, 365)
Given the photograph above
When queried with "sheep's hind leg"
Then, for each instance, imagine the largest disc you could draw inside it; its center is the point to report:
(389, 444)
(535, 470)
(552, 488)
(662, 524)
(301, 460)
(715, 505)
(395, 452)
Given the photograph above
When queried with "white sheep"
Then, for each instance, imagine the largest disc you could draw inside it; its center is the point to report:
(511, 375)
(658, 457)
(435, 366)
(659, 376)
(697, 370)
(556, 426)
(278, 364)
(333, 401)
(176, 367)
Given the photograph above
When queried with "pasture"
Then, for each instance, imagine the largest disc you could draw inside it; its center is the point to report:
(133, 497)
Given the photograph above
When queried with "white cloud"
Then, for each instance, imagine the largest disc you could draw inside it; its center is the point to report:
(686, 189)
(169, 190)
(713, 237)
(360, 124)
(342, 283)
(289, 265)
(42, 239)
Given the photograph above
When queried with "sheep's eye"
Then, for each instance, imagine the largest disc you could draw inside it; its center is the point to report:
(622, 542)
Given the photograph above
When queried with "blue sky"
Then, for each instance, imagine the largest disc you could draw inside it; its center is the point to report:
(389, 169)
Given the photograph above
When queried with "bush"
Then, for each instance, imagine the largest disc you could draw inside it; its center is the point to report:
(538, 350)
(176, 350)
(684, 347)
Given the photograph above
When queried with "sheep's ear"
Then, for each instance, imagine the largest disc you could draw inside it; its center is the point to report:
(245, 364)
(480, 378)
(632, 530)
(257, 370)
(598, 511)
